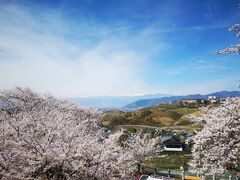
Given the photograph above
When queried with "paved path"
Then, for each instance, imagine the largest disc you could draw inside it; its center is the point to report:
(155, 127)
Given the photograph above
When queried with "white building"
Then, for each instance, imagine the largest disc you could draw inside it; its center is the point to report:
(213, 99)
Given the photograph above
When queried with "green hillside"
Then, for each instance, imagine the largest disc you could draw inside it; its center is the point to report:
(161, 115)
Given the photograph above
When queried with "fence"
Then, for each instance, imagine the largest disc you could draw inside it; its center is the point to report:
(188, 175)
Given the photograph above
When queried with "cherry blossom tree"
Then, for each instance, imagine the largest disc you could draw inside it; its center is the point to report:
(235, 49)
(217, 146)
(43, 137)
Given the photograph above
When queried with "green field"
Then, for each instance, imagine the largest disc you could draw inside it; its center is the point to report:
(168, 160)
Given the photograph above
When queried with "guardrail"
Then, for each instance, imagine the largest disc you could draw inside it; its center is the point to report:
(184, 175)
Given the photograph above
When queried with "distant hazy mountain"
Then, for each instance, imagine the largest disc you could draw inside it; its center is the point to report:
(154, 101)
(112, 101)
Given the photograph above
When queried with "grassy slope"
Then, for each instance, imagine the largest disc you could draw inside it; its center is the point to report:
(168, 160)
(163, 115)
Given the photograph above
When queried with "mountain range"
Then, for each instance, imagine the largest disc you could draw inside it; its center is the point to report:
(143, 103)
(105, 102)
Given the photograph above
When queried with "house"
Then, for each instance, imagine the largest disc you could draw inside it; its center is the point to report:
(166, 137)
(108, 129)
(222, 100)
(193, 102)
(213, 99)
(172, 144)
(189, 101)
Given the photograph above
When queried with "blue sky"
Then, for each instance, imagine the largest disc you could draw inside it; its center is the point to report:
(118, 47)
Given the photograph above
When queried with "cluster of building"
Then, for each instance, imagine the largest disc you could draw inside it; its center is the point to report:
(201, 102)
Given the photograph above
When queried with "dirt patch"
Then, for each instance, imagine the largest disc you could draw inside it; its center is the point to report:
(164, 121)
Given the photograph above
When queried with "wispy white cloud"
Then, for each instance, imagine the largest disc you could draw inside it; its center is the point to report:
(207, 65)
(138, 51)
(48, 52)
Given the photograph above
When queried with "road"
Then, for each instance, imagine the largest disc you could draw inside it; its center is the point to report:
(155, 127)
